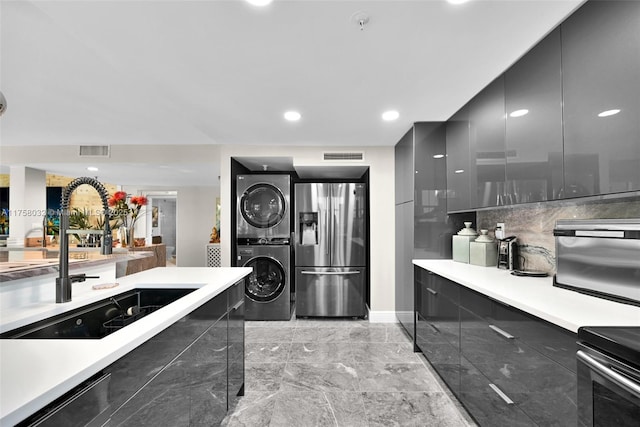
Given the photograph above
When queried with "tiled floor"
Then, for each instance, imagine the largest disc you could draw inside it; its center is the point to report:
(338, 373)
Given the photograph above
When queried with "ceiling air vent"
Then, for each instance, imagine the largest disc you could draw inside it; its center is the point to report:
(344, 156)
(94, 151)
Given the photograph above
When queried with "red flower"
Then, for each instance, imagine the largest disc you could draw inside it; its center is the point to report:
(141, 201)
(112, 201)
(119, 195)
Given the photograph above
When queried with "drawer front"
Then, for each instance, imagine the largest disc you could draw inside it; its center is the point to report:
(486, 402)
(552, 341)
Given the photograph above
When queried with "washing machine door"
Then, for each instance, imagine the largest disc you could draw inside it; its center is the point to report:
(263, 205)
(267, 281)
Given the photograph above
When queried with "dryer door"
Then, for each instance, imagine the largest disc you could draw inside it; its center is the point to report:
(268, 280)
(263, 205)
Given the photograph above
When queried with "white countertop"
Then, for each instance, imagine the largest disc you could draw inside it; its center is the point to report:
(34, 372)
(536, 295)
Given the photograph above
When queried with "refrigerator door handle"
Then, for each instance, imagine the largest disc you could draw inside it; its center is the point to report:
(330, 273)
(327, 228)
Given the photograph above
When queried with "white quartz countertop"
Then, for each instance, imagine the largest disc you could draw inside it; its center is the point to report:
(34, 372)
(536, 295)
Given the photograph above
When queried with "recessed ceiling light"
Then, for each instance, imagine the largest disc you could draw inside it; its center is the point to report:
(438, 156)
(519, 113)
(609, 113)
(92, 169)
(259, 2)
(459, 171)
(391, 115)
(457, 1)
(292, 116)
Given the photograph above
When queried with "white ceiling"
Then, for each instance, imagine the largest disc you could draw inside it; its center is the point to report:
(172, 72)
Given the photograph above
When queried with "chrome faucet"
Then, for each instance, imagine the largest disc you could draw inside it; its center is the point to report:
(64, 281)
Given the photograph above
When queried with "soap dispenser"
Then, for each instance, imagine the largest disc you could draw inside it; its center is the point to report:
(461, 242)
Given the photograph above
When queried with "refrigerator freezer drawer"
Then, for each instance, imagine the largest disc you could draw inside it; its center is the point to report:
(330, 291)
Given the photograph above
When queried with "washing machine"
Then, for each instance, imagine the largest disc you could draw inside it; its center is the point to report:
(267, 292)
(263, 207)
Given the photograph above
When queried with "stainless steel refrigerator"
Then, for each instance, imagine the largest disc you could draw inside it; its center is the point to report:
(330, 249)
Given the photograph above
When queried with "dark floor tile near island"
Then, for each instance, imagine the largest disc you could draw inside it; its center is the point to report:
(339, 373)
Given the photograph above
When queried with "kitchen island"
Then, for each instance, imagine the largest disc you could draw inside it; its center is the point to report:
(35, 372)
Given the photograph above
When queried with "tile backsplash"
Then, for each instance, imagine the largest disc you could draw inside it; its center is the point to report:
(533, 224)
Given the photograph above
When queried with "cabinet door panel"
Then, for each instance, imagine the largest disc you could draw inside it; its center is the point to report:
(487, 146)
(404, 170)
(405, 307)
(432, 235)
(534, 138)
(601, 72)
(236, 353)
(458, 173)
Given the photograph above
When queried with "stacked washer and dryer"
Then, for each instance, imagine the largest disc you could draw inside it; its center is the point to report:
(263, 239)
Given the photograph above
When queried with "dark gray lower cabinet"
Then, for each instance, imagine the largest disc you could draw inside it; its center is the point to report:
(507, 368)
(178, 377)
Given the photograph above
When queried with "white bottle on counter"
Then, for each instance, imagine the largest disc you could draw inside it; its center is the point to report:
(461, 242)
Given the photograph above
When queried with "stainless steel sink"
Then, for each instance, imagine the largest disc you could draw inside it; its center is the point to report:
(99, 319)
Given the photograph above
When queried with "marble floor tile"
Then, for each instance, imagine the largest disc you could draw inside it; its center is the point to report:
(254, 409)
(318, 409)
(383, 353)
(319, 377)
(310, 352)
(324, 334)
(266, 352)
(266, 334)
(410, 409)
(378, 333)
(263, 376)
(395, 377)
(271, 323)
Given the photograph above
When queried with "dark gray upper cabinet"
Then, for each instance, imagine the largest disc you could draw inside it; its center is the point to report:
(487, 146)
(404, 168)
(601, 72)
(458, 182)
(432, 237)
(533, 99)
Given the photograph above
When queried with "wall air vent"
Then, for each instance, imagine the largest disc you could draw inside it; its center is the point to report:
(344, 156)
(94, 151)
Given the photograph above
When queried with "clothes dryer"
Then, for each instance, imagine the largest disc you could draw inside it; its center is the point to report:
(263, 207)
(267, 292)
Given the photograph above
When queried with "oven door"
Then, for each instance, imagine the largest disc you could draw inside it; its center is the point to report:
(608, 390)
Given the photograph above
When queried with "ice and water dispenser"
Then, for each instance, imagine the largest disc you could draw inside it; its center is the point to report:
(308, 228)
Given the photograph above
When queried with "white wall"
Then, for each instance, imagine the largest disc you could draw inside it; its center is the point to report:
(195, 217)
(381, 177)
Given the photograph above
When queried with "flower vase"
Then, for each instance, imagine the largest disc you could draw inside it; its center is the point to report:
(123, 235)
(131, 240)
